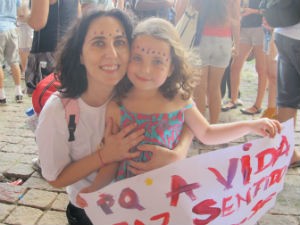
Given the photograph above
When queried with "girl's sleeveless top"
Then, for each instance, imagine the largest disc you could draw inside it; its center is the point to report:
(162, 129)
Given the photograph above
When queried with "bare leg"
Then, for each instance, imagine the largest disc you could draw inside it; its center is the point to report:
(236, 68)
(200, 90)
(271, 72)
(214, 79)
(16, 73)
(1, 78)
(283, 115)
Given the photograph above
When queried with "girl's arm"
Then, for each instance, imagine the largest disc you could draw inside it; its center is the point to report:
(163, 156)
(223, 133)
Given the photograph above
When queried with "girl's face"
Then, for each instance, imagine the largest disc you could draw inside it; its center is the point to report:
(105, 52)
(150, 62)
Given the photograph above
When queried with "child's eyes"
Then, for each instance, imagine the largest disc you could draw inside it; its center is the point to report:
(136, 58)
(157, 62)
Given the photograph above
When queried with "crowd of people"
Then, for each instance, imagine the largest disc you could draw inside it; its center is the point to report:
(112, 61)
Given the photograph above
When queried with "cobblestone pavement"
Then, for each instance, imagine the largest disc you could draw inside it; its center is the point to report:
(35, 202)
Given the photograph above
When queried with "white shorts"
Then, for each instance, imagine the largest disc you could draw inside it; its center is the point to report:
(214, 51)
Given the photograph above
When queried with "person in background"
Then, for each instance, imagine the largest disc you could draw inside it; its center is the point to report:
(92, 59)
(219, 41)
(251, 39)
(287, 40)
(50, 20)
(89, 5)
(271, 71)
(25, 34)
(9, 47)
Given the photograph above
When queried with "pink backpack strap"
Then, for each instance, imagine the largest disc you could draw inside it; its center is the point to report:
(71, 114)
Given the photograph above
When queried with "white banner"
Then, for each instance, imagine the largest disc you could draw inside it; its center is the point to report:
(232, 186)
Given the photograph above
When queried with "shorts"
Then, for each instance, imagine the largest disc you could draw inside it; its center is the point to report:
(288, 81)
(253, 36)
(25, 36)
(214, 51)
(9, 49)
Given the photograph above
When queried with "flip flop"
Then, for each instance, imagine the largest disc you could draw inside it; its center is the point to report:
(246, 112)
(295, 164)
(229, 105)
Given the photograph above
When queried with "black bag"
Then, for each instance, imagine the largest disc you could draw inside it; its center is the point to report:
(281, 13)
(39, 65)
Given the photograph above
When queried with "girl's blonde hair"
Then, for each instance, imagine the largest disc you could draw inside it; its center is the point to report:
(182, 79)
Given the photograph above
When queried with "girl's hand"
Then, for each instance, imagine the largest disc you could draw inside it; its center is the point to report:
(116, 146)
(79, 200)
(265, 127)
(160, 157)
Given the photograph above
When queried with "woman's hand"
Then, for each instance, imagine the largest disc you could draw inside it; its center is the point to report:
(265, 127)
(160, 157)
(116, 145)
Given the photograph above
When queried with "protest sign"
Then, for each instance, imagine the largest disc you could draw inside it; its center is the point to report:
(232, 186)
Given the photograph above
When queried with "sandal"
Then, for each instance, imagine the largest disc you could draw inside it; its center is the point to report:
(229, 105)
(247, 112)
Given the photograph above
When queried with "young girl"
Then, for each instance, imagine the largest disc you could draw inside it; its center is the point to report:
(157, 96)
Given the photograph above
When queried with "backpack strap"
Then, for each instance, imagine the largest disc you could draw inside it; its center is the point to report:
(71, 114)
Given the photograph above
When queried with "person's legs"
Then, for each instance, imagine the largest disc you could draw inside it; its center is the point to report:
(12, 57)
(235, 72)
(262, 81)
(271, 71)
(16, 73)
(214, 80)
(200, 90)
(285, 114)
(288, 83)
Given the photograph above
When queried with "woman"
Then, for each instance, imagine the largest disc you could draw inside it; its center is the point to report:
(251, 39)
(93, 59)
(219, 34)
(50, 20)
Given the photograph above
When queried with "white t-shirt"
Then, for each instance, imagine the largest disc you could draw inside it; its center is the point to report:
(55, 152)
(291, 31)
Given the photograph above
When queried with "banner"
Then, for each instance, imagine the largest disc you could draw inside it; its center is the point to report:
(232, 186)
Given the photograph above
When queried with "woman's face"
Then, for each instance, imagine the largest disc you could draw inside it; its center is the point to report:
(105, 52)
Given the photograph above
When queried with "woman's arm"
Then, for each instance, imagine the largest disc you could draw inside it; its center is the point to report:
(163, 156)
(38, 17)
(180, 7)
(235, 22)
(115, 148)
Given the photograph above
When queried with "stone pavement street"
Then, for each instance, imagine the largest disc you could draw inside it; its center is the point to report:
(34, 202)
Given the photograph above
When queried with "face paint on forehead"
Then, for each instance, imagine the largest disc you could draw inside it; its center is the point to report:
(149, 51)
(116, 32)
